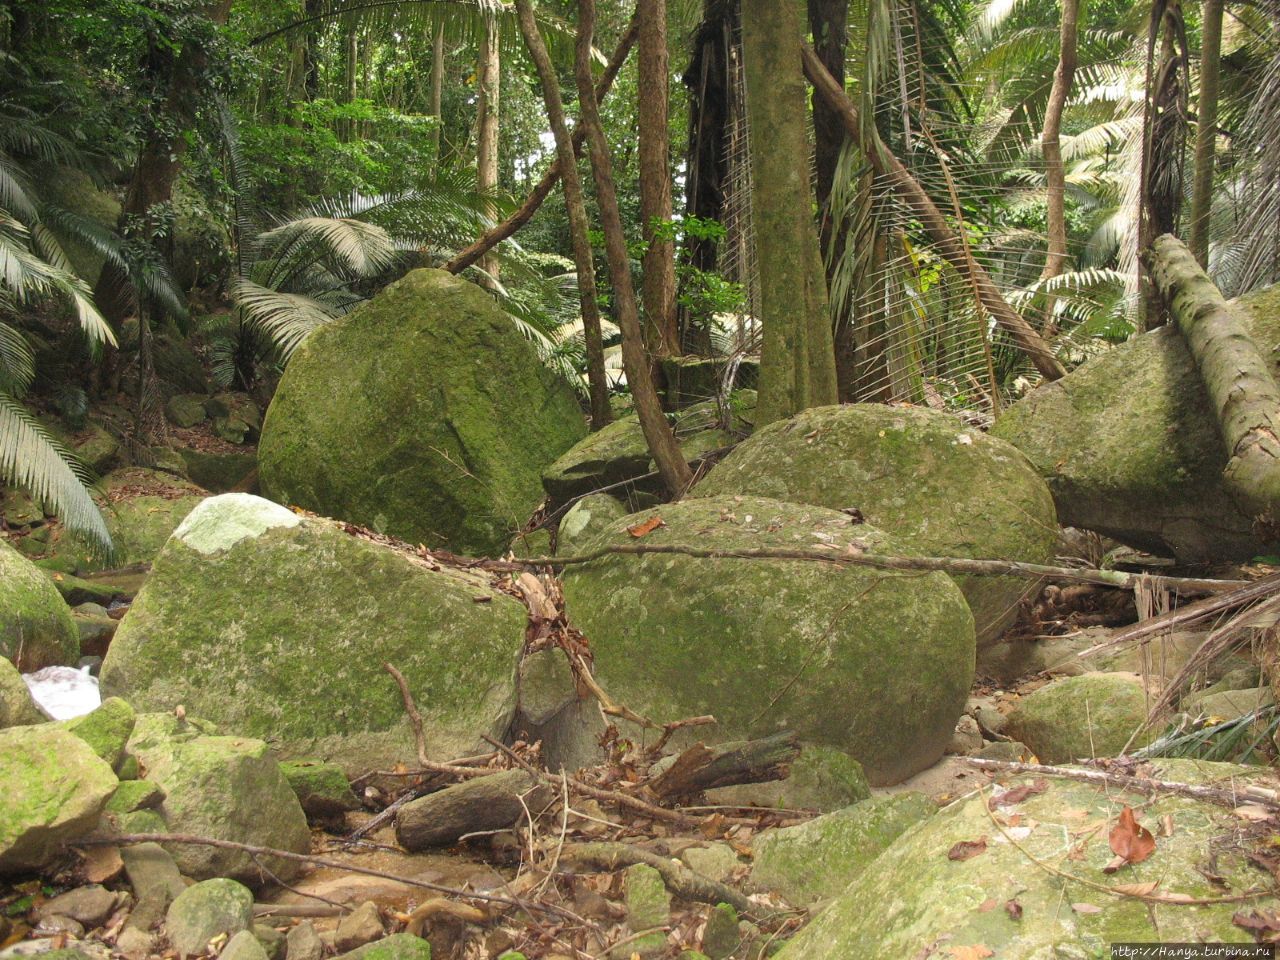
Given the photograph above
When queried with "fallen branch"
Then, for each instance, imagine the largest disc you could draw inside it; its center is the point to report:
(127, 839)
(411, 708)
(524, 213)
(1229, 798)
(702, 768)
(679, 879)
(851, 556)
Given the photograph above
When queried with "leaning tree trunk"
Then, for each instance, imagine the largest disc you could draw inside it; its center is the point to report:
(1236, 376)
(951, 246)
(1206, 129)
(670, 462)
(1051, 143)
(489, 80)
(797, 358)
(579, 225)
(659, 267)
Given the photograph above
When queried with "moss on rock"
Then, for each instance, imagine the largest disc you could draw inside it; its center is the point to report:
(937, 486)
(106, 730)
(1130, 446)
(36, 628)
(587, 518)
(276, 626)
(1092, 715)
(423, 414)
(17, 709)
(870, 662)
(55, 788)
(914, 895)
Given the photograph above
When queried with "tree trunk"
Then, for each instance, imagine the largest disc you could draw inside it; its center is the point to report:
(797, 357)
(437, 88)
(524, 214)
(489, 77)
(950, 246)
(829, 23)
(1236, 376)
(659, 267)
(667, 457)
(1206, 129)
(311, 8)
(578, 222)
(1054, 170)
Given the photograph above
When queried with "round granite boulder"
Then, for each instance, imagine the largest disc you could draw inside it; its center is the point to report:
(36, 627)
(871, 662)
(423, 414)
(937, 486)
(276, 626)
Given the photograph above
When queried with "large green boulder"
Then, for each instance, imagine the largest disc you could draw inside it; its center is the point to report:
(1012, 900)
(36, 628)
(223, 788)
(871, 662)
(423, 414)
(17, 709)
(1130, 445)
(75, 190)
(815, 861)
(55, 788)
(937, 486)
(276, 626)
(1092, 715)
(619, 452)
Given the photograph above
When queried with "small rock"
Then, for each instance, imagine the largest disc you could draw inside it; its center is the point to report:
(134, 795)
(272, 940)
(648, 906)
(715, 860)
(135, 943)
(303, 943)
(322, 788)
(990, 720)
(152, 874)
(243, 946)
(53, 925)
(967, 737)
(204, 911)
(1080, 717)
(89, 905)
(185, 410)
(720, 938)
(400, 946)
(363, 925)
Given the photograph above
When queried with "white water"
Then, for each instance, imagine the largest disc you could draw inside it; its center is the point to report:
(64, 692)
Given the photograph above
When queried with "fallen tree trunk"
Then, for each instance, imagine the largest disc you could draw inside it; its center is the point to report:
(1236, 376)
(495, 802)
(949, 244)
(524, 213)
(702, 768)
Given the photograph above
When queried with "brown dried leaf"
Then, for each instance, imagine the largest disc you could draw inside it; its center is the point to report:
(967, 849)
(646, 528)
(1018, 794)
(1136, 889)
(1014, 909)
(1085, 908)
(1263, 924)
(1114, 864)
(1253, 812)
(1130, 840)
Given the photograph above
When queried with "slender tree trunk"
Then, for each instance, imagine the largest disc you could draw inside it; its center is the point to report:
(437, 88)
(1236, 376)
(659, 268)
(509, 227)
(797, 357)
(311, 8)
(670, 462)
(1051, 142)
(829, 23)
(1206, 129)
(489, 76)
(578, 222)
(950, 246)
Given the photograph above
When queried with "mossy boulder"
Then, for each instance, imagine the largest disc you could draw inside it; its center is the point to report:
(937, 486)
(585, 520)
(75, 190)
(225, 788)
(618, 452)
(216, 907)
(870, 662)
(817, 860)
(106, 729)
(55, 788)
(186, 409)
(423, 414)
(1092, 715)
(914, 895)
(219, 472)
(276, 626)
(322, 788)
(36, 628)
(17, 709)
(1130, 447)
(236, 418)
(398, 946)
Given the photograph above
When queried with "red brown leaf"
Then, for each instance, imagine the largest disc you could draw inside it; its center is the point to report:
(1130, 840)
(967, 849)
(646, 528)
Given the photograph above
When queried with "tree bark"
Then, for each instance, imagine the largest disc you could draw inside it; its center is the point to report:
(797, 357)
(1051, 143)
(702, 768)
(578, 222)
(489, 78)
(1206, 129)
(829, 23)
(659, 267)
(670, 462)
(509, 227)
(950, 246)
(1236, 376)
(437, 87)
